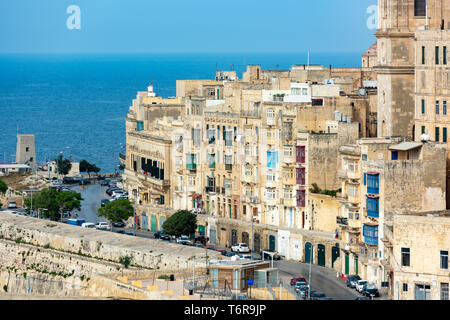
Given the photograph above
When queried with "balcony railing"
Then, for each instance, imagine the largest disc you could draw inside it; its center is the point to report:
(210, 189)
(192, 166)
(343, 221)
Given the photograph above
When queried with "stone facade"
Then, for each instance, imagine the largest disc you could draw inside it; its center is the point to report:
(420, 272)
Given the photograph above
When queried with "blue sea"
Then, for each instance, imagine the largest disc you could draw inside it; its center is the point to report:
(77, 103)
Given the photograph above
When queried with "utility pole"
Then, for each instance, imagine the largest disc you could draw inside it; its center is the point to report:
(253, 241)
(134, 217)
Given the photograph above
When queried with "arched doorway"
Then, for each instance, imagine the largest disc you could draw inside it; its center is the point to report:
(321, 255)
(271, 242)
(144, 221)
(234, 239)
(245, 237)
(334, 254)
(257, 243)
(308, 253)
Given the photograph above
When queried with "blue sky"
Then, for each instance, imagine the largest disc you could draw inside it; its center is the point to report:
(200, 26)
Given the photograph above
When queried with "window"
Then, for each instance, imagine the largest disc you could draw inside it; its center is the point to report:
(372, 183)
(288, 193)
(287, 151)
(423, 106)
(437, 106)
(140, 126)
(444, 291)
(444, 108)
(372, 206)
(444, 56)
(270, 113)
(420, 8)
(437, 55)
(353, 190)
(423, 129)
(305, 91)
(444, 259)
(444, 134)
(405, 257)
(423, 55)
(405, 287)
(436, 132)
(27, 149)
(228, 138)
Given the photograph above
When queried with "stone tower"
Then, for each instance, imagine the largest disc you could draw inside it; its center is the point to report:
(398, 21)
(26, 150)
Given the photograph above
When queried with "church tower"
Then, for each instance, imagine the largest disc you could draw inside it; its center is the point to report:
(398, 21)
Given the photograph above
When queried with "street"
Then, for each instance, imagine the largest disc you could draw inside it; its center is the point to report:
(323, 279)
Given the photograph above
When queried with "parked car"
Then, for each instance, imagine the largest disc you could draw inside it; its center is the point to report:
(360, 284)
(76, 222)
(102, 226)
(199, 245)
(228, 254)
(119, 231)
(104, 202)
(245, 256)
(117, 192)
(302, 291)
(316, 295)
(300, 284)
(161, 235)
(121, 197)
(88, 225)
(370, 290)
(267, 254)
(352, 280)
(240, 247)
(298, 279)
(110, 190)
(105, 182)
(362, 298)
(118, 224)
(12, 205)
(208, 247)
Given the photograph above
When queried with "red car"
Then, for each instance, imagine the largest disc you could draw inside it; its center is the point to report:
(208, 247)
(298, 279)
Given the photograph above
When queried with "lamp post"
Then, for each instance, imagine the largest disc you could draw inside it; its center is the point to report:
(253, 241)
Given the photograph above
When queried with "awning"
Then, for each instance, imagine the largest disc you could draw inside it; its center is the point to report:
(405, 146)
(195, 195)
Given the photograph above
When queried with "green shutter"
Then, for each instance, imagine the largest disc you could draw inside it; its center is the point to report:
(423, 106)
(444, 134)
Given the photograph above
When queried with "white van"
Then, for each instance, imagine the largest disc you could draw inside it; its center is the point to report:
(88, 225)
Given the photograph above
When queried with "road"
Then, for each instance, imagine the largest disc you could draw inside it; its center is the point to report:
(322, 279)
(92, 195)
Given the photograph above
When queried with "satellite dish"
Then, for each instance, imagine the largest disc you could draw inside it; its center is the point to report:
(362, 92)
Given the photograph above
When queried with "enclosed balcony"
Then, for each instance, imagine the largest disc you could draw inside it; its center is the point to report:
(372, 179)
(370, 234)
(372, 206)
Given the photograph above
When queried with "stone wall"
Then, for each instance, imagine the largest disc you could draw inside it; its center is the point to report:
(102, 245)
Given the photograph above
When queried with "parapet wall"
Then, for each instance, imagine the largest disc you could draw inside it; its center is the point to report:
(101, 245)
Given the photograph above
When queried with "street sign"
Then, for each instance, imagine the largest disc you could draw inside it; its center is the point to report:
(250, 282)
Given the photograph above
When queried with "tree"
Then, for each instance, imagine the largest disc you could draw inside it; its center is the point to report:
(85, 166)
(117, 211)
(63, 166)
(183, 222)
(54, 202)
(3, 186)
